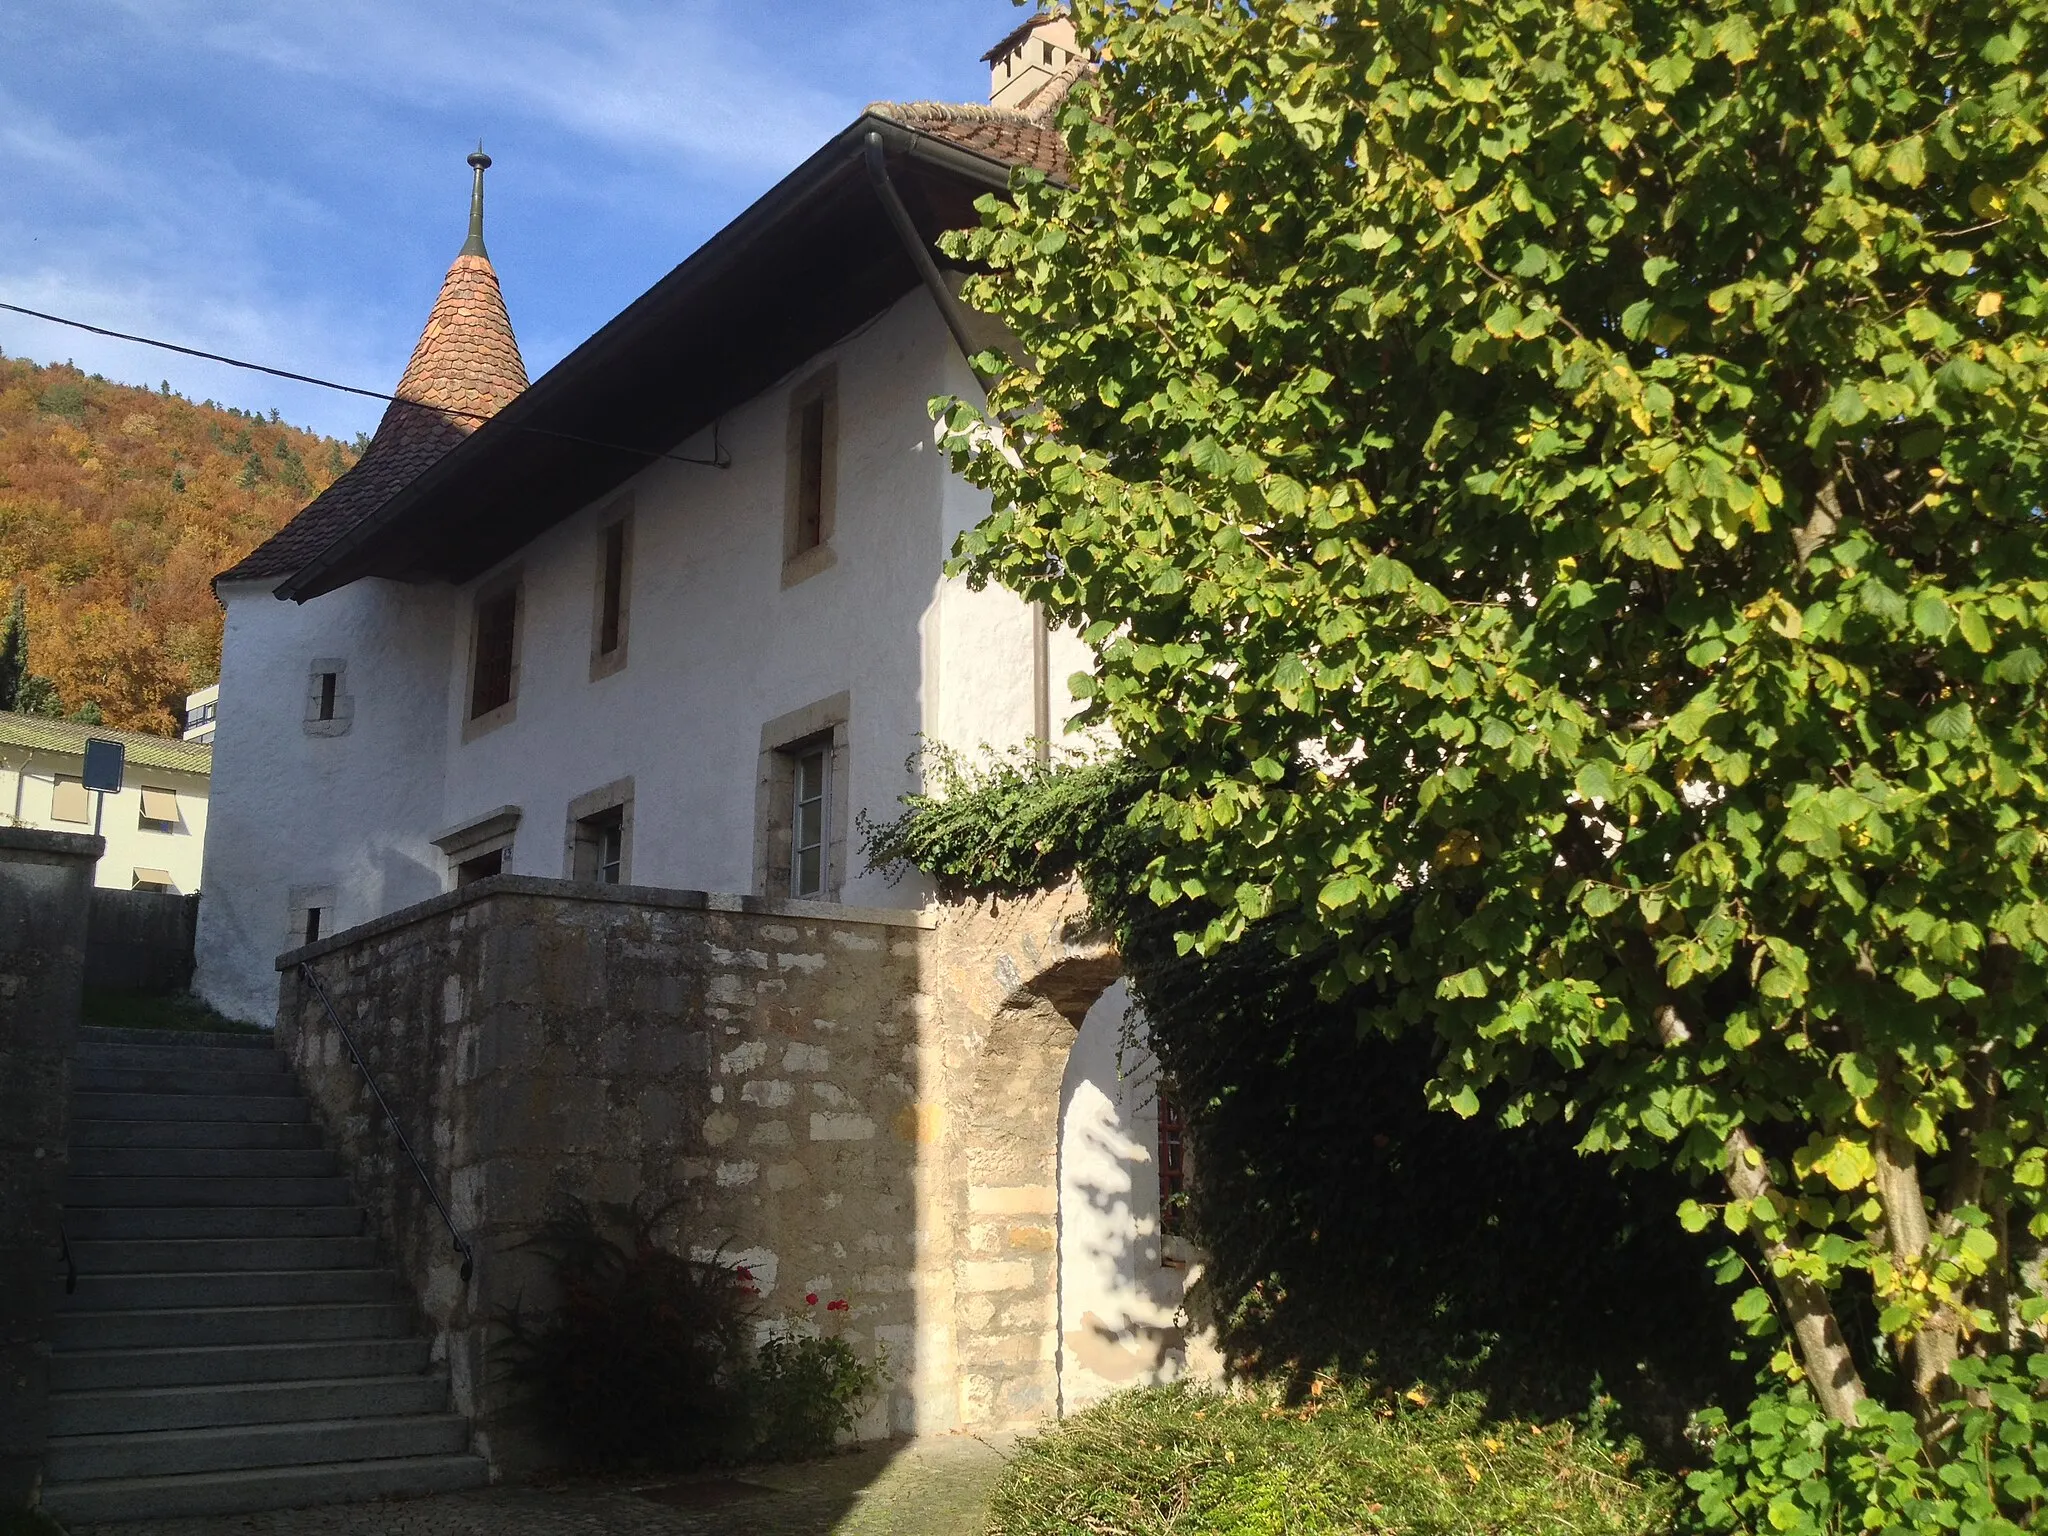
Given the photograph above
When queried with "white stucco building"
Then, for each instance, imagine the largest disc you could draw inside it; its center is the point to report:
(155, 826)
(674, 615)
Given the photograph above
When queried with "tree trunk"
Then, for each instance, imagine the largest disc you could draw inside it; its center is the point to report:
(1932, 1350)
(1824, 1353)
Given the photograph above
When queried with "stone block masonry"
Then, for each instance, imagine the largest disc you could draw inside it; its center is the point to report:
(45, 888)
(854, 1102)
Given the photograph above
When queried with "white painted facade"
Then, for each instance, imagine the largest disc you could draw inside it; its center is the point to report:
(717, 648)
(163, 850)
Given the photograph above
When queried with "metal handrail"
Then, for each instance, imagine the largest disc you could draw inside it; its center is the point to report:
(461, 1243)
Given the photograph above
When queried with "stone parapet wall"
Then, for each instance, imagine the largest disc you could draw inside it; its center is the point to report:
(45, 887)
(852, 1102)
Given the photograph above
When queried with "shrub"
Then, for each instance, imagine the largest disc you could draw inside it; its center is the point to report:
(1787, 1467)
(1194, 1463)
(805, 1391)
(639, 1363)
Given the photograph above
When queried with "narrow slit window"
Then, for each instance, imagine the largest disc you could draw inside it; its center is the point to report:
(313, 924)
(1173, 1167)
(329, 682)
(497, 620)
(812, 766)
(613, 603)
(810, 485)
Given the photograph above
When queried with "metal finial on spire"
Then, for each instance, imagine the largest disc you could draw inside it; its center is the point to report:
(474, 245)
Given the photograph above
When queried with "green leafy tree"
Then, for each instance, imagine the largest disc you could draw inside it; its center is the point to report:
(14, 652)
(1555, 489)
(20, 689)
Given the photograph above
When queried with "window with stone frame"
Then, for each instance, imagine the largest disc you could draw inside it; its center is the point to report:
(599, 843)
(612, 591)
(494, 655)
(801, 821)
(810, 769)
(812, 490)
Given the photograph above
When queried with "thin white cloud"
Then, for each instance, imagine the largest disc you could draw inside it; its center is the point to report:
(691, 85)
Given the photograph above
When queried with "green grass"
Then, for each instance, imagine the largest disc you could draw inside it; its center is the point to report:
(1177, 1461)
(155, 1010)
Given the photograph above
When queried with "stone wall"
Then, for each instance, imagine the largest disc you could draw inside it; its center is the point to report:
(850, 1101)
(45, 882)
(141, 941)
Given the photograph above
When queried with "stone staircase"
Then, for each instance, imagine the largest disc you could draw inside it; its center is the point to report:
(233, 1343)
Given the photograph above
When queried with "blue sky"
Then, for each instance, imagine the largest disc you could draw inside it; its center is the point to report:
(284, 181)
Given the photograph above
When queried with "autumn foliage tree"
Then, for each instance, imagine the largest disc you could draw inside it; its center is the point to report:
(117, 507)
(1556, 488)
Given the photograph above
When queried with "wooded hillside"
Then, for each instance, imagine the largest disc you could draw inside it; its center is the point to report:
(117, 506)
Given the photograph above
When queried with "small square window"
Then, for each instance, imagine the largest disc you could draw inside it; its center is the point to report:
(159, 810)
(482, 867)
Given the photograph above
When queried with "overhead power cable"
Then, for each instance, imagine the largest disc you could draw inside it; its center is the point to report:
(718, 460)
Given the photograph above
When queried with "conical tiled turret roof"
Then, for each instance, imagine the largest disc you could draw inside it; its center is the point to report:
(464, 370)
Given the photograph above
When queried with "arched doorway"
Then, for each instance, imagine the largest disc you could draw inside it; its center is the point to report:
(1122, 1274)
(1062, 1289)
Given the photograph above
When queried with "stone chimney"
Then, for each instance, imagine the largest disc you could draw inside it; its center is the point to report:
(1031, 68)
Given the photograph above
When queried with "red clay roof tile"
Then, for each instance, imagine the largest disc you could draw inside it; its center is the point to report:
(464, 370)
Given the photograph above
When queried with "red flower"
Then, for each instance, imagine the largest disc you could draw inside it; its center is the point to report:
(837, 1306)
(810, 1298)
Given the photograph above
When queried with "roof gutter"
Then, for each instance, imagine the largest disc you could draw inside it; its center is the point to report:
(726, 250)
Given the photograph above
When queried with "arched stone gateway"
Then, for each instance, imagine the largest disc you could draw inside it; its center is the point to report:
(857, 1104)
(1065, 1288)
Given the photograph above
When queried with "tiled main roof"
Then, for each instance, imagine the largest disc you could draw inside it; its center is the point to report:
(41, 734)
(465, 369)
(1015, 138)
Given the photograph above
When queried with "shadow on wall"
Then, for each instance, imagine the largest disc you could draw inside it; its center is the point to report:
(1123, 1282)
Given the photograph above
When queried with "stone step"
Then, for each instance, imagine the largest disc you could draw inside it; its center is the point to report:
(130, 1410)
(187, 1327)
(212, 1255)
(143, 1223)
(192, 1133)
(190, 1058)
(243, 1040)
(272, 1109)
(241, 1447)
(223, 1364)
(203, 1162)
(234, 1493)
(93, 1192)
(232, 1288)
(261, 1078)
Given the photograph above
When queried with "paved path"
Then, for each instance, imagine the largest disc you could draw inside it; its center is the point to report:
(931, 1487)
